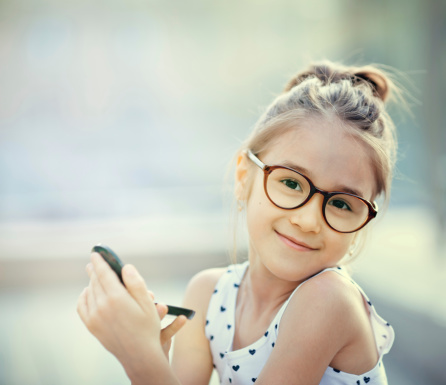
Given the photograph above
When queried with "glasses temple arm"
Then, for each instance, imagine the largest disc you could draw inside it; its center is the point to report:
(256, 160)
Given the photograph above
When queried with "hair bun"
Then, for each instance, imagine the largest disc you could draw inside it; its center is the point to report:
(328, 72)
(376, 79)
(323, 71)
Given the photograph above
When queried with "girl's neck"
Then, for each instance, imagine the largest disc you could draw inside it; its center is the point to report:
(264, 289)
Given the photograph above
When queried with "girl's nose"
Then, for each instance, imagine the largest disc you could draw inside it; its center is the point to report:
(309, 217)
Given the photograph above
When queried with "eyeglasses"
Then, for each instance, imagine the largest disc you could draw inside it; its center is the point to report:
(289, 189)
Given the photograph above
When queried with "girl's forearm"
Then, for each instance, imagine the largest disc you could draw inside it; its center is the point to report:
(152, 369)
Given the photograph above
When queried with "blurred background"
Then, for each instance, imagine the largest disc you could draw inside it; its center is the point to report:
(118, 121)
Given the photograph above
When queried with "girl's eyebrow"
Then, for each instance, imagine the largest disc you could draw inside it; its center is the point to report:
(350, 191)
(294, 166)
(308, 173)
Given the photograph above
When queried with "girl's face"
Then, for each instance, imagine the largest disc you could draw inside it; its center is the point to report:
(295, 244)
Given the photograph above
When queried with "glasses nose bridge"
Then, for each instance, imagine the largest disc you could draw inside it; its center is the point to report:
(314, 190)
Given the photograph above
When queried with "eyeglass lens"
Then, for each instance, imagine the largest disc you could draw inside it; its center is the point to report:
(288, 189)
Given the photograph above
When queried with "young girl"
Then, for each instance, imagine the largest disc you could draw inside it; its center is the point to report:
(307, 177)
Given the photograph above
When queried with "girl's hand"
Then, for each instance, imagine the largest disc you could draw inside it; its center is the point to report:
(169, 331)
(124, 319)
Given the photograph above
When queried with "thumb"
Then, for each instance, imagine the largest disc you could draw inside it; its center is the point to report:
(162, 309)
(137, 288)
(168, 332)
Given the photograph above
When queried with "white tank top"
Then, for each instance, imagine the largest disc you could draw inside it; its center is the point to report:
(243, 366)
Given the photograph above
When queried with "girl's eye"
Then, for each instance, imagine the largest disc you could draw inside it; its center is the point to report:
(340, 204)
(292, 184)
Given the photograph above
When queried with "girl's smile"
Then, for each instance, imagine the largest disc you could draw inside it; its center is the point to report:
(293, 243)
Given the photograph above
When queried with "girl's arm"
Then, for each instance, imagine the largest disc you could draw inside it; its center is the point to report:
(127, 322)
(192, 359)
(323, 320)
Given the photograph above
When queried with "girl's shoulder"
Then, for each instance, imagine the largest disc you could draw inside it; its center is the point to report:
(200, 288)
(207, 279)
(330, 310)
(329, 285)
(337, 294)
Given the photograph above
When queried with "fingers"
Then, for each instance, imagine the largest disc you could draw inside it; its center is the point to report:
(162, 310)
(88, 300)
(160, 307)
(104, 284)
(95, 291)
(94, 296)
(82, 306)
(169, 331)
(105, 275)
(137, 288)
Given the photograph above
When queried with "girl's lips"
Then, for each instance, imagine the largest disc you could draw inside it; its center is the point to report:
(295, 244)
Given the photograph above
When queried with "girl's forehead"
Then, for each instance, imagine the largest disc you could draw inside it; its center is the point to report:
(328, 154)
(316, 135)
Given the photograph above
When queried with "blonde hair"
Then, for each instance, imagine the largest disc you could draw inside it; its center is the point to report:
(355, 96)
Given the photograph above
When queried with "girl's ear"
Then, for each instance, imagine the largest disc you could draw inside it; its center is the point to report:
(241, 176)
(353, 244)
